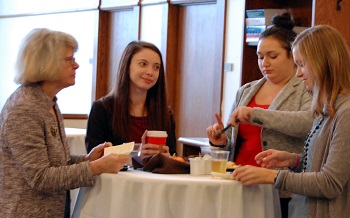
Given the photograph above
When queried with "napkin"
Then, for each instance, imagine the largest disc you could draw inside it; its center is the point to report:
(124, 149)
(160, 163)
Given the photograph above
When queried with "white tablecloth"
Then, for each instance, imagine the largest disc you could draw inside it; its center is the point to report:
(76, 141)
(138, 194)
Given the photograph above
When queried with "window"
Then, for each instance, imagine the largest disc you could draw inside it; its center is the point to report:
(82, 25)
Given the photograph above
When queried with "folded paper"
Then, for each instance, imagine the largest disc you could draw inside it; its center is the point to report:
(124, 149)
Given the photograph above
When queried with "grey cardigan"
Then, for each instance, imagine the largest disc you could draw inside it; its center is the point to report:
(276, 132)
(328, 184)
(36, 168)
(293, 97)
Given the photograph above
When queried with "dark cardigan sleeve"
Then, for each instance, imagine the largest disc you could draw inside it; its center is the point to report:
(97, 126)
(171, 140)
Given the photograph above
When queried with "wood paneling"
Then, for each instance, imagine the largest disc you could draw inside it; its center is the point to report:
(199, 71)
(100, 79)
(75, 116)
(116, 30)
(171, 19)
(326, 13)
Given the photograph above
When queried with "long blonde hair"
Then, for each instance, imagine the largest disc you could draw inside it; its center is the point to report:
(325, 52)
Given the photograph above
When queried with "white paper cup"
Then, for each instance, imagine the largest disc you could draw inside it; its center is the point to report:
(207, 167)
(196, 166)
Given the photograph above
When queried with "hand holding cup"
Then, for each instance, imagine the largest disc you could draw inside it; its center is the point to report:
(154, 142)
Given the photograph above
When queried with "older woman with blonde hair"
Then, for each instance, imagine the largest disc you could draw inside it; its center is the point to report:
(36, 168)
(322, 184)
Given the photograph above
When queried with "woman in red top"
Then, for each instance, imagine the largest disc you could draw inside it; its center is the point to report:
(279, 89)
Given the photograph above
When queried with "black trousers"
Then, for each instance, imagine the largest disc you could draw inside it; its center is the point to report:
(284, 206)
(67, 207)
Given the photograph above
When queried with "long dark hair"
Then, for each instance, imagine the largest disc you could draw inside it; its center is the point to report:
(156, 101)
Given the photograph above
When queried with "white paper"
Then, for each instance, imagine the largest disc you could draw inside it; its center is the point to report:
(124, 149)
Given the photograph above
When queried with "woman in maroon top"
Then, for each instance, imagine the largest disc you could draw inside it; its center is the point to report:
(138, 103)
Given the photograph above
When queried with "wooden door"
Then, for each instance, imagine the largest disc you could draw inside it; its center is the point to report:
(326, 12)
(198, 83)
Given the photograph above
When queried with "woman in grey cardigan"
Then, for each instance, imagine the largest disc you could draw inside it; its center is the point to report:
(279, 89)
(322, 186)
(36, 169)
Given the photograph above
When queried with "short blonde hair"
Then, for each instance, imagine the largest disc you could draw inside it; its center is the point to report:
(41, 55)
(324, 50)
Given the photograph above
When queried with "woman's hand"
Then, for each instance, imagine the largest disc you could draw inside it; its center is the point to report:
(240, 115)
(97, 152)
(152, 149)
(273, 158)
(111, 163)
(213, 130)
(251, 175)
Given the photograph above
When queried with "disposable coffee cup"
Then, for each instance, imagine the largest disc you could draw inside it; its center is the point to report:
(157, 137)
(197, 166)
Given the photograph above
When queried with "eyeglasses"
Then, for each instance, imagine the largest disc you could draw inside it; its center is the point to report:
(71, 60)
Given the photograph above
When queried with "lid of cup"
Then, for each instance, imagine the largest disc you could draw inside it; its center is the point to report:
(157, 133)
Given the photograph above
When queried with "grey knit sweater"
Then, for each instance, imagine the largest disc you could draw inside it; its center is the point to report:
(36, 168)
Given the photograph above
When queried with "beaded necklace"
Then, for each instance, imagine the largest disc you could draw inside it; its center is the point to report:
(307, 141)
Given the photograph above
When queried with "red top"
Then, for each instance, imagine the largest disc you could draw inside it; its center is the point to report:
(138, 126)
(250, 136)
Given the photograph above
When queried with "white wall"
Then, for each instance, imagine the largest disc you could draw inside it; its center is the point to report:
(233, 53)
(81, 124)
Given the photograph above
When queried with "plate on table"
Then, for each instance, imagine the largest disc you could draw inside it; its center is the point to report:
(222, 175)
(231, 166)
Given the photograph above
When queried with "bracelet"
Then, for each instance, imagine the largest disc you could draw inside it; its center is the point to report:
(274, 180)
(293, 164)
(297, 161)
(211, 144)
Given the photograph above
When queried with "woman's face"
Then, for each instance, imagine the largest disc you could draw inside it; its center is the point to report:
(303, 70)
(274, 62)
(144, 69)
(67, 77)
